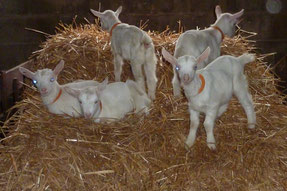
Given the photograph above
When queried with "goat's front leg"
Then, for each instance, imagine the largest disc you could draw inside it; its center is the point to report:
(209, 125)
(194, 123)
(176, 84)
(118, 64)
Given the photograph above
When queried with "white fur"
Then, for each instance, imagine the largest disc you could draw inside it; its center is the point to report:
(130, 43)
(223, 78)
(49, 90)
(194, 42)
(117, 99)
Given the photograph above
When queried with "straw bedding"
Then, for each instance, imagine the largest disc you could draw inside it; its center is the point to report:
(42, 151)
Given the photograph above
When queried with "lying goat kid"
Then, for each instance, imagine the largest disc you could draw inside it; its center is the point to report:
(111, 101)
(53, 95)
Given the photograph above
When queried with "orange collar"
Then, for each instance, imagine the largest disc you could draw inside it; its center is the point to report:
(218, 29)
(202, 83)
(58, 96)
(113, 27)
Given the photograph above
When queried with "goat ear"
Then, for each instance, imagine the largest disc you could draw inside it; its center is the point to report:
(171, 59)
(238, 14)
(102, 86)
(59, 67)
(118, 11)
(203, 56)
(218, 11)
(72, 92)
(27, 72)
(96, 13)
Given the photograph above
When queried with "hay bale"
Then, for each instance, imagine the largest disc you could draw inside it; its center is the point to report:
(43, 151)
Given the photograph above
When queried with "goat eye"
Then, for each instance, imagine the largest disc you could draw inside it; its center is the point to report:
(177, 68)
(80, 102)
(52, 79)
(96, 102)
(34, 82)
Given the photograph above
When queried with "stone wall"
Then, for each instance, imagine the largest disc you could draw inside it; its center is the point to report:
(17, 43)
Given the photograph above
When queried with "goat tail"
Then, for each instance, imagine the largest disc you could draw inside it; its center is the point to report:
(146, 41)
(246, 58)
(149, 50)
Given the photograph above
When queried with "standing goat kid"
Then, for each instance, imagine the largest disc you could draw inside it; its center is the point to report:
(194, 42)
(209, 90)
(53, 95)
(111, 101)
(130, 43)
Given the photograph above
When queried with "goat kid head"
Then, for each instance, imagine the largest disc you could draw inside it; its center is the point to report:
(227, 21)
(46, 79)
(186, 66)
(108, 17)
(89, 98)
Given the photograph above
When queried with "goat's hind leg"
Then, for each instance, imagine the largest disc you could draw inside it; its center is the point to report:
(150, 72)
(222, 109)
(118, 64)
(138, 74)
(245, 99)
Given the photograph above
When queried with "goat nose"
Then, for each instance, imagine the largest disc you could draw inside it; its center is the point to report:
(185, 77)
(44, 89)
(88, 115)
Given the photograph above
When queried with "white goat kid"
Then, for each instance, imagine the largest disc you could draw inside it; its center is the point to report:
(194, 42)
(53, 95)
(111, 101)
(130, 43)
(209, 90)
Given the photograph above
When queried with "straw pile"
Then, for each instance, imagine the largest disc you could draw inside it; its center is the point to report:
(43, 151)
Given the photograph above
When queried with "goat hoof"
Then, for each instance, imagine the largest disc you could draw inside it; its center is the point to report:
(146, 113)
(187, 146)
(177, 95)
(152, 96)
(211, 146)
(251, 126)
